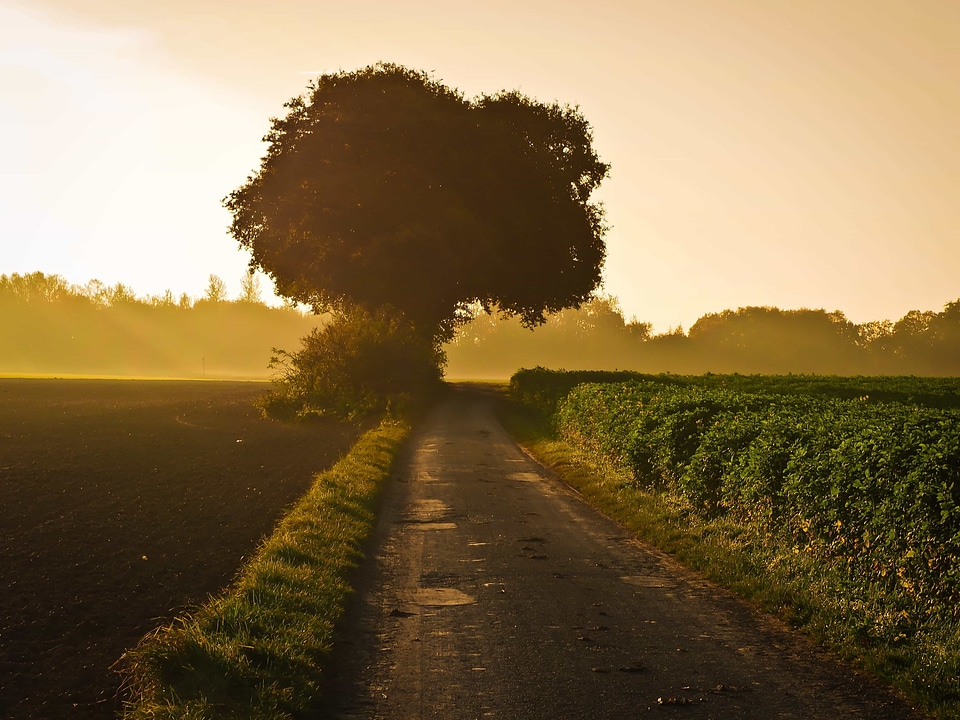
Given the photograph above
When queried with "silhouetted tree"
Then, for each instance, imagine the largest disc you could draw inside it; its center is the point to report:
(216, 289)
(384, 188)
(34, 287)
(767, 339)
(165, 300)
(593, 336)
(121, 294)
(340, 369)
(874, 335)
(929, 342)
(97, 292)
(250, 288)
(946, 329)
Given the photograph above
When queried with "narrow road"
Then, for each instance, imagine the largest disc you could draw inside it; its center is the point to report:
(496, 592)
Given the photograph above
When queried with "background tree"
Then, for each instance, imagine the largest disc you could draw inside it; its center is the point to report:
(216, 289)
(166, 300)
(97, 292)
(49, 326)
(34, 287)
(766, 339)
(250, 288)
(121, 294)
(384, 188)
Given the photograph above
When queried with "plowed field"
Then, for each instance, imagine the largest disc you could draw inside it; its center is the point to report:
(123, 503)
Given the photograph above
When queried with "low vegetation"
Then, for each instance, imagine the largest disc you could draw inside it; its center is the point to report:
(257, 651)
(357, 365)
(546, 388)
(839, 513)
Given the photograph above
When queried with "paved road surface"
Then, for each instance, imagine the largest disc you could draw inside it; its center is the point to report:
(497, 593)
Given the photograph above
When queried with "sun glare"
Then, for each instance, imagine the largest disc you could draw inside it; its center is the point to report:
(747, 141)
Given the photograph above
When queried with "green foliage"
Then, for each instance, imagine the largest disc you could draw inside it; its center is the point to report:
(356, 365)
(546, 388)
(591, 423)
(257, 652)
(384, 187)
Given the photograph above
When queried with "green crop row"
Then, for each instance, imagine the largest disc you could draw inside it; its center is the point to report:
(874, 487)
(545, 388)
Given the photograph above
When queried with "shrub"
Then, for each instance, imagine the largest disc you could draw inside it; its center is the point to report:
(357, 365)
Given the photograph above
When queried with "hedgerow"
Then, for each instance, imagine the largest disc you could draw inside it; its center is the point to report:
(544, 388)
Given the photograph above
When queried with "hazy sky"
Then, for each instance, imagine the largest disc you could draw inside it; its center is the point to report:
(800, 153)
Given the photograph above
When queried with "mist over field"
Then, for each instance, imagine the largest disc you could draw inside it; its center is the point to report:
(49, 327)
(749, 340)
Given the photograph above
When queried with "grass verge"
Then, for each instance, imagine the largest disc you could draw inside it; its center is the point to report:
(258, 650)
(923, 664)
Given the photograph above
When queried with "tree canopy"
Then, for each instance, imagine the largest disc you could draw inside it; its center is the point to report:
(385, 188)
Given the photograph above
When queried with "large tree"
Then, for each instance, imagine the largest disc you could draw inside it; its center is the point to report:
(385, 188)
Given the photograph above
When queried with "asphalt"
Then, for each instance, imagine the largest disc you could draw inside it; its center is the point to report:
(494, 591)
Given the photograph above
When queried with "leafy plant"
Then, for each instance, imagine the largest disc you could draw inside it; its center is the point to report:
(358, 364)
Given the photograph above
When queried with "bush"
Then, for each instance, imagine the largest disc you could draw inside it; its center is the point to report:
(357, 365)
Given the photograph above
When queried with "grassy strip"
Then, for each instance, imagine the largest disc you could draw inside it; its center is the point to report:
(257, 651)
(793, 585)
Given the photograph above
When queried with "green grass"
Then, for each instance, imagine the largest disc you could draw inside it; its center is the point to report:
(920, 660)
(258, 650)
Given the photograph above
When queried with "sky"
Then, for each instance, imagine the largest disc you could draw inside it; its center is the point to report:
(793, 153)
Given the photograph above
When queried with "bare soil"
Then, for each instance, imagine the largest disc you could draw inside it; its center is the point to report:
(496, 592)
(123, 503)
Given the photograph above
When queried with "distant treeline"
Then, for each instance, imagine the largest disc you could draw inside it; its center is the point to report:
(749, 340)
(48, 326)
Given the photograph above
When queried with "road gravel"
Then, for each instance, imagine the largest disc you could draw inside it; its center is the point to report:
(496, 592)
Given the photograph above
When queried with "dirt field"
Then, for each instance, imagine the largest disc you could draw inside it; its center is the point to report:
(121, 504)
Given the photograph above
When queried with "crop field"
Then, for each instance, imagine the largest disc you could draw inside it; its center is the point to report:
(123, 504)
(874, 483)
